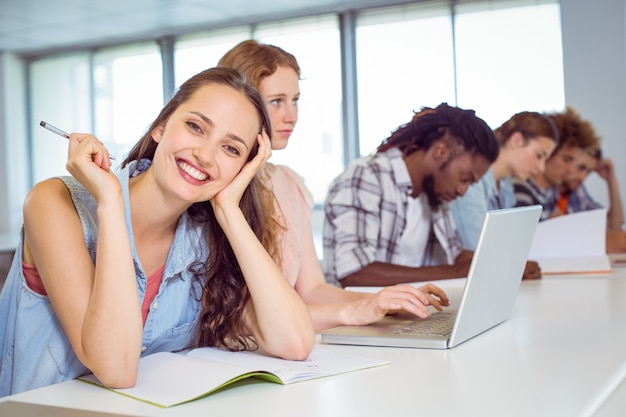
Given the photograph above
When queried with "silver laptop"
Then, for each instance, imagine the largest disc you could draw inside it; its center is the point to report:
(487, 299)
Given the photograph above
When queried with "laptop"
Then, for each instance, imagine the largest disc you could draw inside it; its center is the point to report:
(487, 298)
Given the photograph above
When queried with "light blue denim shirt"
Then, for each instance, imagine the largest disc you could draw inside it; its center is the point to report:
(35, 350)
(469, 211)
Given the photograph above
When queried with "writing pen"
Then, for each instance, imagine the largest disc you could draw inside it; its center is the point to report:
(60, 132)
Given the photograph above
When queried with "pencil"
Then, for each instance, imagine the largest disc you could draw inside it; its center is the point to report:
(60, 132)
(54, 129)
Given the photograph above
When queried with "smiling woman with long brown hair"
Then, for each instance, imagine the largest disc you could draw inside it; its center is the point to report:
(112, 267)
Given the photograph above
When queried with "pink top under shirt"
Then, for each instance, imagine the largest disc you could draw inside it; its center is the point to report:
(33, 280)
(294, 207)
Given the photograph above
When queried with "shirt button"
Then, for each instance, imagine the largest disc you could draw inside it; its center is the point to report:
(143, 348)
(155, 306)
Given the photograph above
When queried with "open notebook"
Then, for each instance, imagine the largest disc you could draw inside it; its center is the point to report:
(166, 379)
(488, 296)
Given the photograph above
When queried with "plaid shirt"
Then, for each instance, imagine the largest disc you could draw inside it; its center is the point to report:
(365, 216)
(527, 193)
(581, 200)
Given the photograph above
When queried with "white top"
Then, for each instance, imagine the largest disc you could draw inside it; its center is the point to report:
(415, 235)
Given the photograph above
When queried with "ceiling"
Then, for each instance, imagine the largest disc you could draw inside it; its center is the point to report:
(29, 27)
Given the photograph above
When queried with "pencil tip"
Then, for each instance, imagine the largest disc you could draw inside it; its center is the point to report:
(42, 123)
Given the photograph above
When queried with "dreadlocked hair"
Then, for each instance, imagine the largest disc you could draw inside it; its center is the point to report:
(444, 121)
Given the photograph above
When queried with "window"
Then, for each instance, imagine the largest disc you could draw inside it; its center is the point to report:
(505, 57)
(60, 95)
(198, 52)
(128, 94)
(509, 58)
(405, 60)
(315, 148)
(114, 93)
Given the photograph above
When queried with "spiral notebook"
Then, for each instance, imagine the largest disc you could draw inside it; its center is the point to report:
(488, 296)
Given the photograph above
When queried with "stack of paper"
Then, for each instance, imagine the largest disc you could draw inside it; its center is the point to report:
(572, 244)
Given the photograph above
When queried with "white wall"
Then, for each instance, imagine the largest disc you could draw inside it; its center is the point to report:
(594, 55)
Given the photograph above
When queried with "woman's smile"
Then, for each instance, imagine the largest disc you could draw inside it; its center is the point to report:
(192, 172)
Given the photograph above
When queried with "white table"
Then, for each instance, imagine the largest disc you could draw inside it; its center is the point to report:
(562, 353)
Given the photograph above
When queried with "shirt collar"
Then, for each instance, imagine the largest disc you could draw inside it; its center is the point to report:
(400, 170)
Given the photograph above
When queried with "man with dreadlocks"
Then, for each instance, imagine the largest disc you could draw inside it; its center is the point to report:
(387, 219)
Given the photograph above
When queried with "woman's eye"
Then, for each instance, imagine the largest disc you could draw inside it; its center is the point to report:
(232, 150)
(194, 126)
(275, 102)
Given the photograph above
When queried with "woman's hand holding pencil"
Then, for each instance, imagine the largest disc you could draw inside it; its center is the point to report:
(60, 132)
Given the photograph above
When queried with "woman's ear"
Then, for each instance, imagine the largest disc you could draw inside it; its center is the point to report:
(157, 133)
(517, 140)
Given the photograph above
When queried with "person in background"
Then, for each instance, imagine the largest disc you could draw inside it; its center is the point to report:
(387, 219)
(277, 75)
(163, 256)
(574, 197)
(543, 188)
(526, 140)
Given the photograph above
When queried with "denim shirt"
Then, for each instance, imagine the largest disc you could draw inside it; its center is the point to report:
(469, 211)
(35, 350)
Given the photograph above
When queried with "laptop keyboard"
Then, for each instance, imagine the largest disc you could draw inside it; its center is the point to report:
(438, 324)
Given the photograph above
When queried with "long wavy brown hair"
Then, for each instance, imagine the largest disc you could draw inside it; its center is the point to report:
(224, 292)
